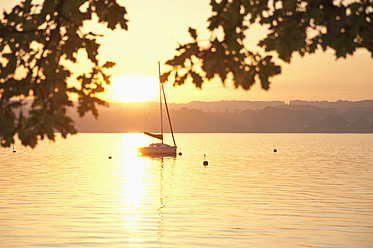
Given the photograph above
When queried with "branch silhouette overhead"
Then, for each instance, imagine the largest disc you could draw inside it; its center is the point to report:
(35, 41)
(293, 26)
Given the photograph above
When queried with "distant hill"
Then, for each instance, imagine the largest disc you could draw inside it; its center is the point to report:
(227, 106)
(236, 116)
(339, 105)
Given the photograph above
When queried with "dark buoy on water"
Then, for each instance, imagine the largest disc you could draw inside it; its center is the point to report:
(275, 150)
(205, 163)
(109, 157)
(14, 151)
(180, 153)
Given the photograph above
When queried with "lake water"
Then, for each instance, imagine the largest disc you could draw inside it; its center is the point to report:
(315, 191)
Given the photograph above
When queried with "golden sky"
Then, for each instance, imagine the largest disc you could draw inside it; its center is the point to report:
(156, 28)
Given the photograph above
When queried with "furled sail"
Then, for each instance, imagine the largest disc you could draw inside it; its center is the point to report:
(157, 136)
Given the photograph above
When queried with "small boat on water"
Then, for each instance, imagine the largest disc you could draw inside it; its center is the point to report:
(157, 149)
(160, 149)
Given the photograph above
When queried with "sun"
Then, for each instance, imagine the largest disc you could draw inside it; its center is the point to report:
(132, 89)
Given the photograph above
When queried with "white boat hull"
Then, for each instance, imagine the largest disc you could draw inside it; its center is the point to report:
(157, 149)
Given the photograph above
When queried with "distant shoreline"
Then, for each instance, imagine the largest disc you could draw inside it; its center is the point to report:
(235, 117)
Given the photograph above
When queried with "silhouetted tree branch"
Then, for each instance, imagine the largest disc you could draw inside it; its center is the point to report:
(293, 26)
(35, 41)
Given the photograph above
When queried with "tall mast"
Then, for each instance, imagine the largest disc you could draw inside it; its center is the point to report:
(165, 103)
(168, 115)
(160, 97)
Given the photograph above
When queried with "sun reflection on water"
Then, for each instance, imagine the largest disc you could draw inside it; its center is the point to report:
(132, 189)
(141, 175)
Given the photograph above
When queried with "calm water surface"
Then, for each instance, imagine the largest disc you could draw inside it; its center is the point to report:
(316, 191)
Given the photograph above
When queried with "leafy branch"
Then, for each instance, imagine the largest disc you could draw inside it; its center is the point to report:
(35, 41)
(294, 26)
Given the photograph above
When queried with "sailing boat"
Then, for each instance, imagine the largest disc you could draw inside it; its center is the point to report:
(160, 149)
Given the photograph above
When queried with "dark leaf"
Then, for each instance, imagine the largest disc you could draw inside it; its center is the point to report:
(109, 64)
(197, 79)
(164, 77)
(180, 80)
(193, 33)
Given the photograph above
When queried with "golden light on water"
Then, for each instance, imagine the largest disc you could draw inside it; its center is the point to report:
(132, 89)
(138, 173)
(131, 190)
(80, 198)
(131, 141)
(133, 171)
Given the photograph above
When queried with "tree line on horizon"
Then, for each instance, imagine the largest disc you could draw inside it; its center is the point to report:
(295, 117)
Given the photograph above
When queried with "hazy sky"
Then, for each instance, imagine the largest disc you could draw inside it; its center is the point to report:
(156, 28)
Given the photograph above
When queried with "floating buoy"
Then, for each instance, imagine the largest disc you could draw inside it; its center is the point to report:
(180, 154)
(205, 163)
(275, 150)
(14, 151)
(109, 157)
